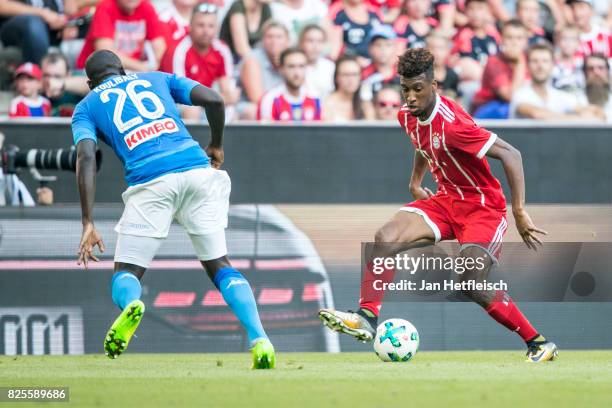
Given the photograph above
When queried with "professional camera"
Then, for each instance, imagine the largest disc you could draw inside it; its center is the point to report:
(11, 158)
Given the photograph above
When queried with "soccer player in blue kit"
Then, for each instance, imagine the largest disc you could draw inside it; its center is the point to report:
(169, 177)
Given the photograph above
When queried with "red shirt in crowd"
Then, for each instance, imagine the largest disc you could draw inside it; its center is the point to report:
(175, 26)
(206, 68)
(279, 105)
(467, 44)
(22, 107)
(129, 32)
(497, 74)
(387, 4)
(598, 41)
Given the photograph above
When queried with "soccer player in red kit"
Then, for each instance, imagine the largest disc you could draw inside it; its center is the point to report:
(469, 204)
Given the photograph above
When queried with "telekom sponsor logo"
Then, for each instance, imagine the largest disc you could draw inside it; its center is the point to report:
(150, 131)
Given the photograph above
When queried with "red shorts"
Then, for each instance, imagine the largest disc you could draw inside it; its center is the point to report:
(468, 221)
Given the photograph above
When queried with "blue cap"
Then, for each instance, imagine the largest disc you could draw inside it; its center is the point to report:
(381, 31)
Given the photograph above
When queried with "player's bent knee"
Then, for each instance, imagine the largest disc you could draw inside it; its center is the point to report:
(386, 234)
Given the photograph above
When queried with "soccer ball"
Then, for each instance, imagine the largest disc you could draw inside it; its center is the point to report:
(396, 340)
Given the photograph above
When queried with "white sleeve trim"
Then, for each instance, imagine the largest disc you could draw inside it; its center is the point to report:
(487, 146)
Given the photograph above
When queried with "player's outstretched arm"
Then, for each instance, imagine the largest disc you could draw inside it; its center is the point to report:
(418, 172)
(213, 104)
(86, 181)
(513, 166)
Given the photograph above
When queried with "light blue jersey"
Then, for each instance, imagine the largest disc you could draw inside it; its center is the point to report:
(136, 115)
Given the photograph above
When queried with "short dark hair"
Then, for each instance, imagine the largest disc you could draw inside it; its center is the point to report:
(596, 55)
(513, 22)
(102, 64)
(289, 51)
(541, 46)
(386, 87)
(54, 57)
(415, 62)
(311, 27)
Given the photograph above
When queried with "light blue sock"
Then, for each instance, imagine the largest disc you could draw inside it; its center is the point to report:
(239, 296)
(125, 287)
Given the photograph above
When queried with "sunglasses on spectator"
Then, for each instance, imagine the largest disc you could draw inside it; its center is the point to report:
(206, 8)
(385, 104)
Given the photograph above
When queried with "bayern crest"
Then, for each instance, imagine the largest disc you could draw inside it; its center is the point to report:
(436, 141)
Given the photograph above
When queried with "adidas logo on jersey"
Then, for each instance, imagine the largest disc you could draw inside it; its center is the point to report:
(150, 131)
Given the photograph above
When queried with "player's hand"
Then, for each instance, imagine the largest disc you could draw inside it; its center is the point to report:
(89, 239)
(421, 193)
(528, 230)
(216, 156)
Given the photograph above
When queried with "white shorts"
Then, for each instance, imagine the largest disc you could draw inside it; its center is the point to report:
(198, 199)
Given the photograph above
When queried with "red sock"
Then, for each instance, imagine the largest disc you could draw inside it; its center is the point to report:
(505, 312)
(370, 298)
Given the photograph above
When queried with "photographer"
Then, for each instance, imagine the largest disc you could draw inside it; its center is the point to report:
(14, 193)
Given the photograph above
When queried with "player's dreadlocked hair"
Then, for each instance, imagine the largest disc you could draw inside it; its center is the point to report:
(416, 61)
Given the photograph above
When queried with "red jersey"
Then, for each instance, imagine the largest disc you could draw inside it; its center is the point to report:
(206, 68)
(278, 105)
(175, 26)
(385, 4)
(454, 147)
(497, 74)
(598, 41)
(128, 32)
(22, 107)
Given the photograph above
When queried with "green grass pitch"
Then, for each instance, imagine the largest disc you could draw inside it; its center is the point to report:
(454, 379)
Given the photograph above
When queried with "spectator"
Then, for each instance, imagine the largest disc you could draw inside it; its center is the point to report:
(319, 70)
(528, 13)
(64, 90)
(477, 41)
(445, 76)
(594, 39)
(260, 69)
(243, 26)
(444, 12)
(352, 21)
(503, 74)
(387, 102)
(204, 58)
(538, 99)
(567, 73)
(123, 26)
(383, 68)
(175, 17)
(297, 14)
(345, 103)
(290, 101)
(597, 77)
(29, 102)
(31, 26)
(389, 10)
(413, 25)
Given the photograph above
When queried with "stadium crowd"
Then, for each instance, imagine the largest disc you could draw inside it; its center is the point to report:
(310, 60)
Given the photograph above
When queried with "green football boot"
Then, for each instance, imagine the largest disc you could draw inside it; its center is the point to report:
(122, 330)
(263, 355)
